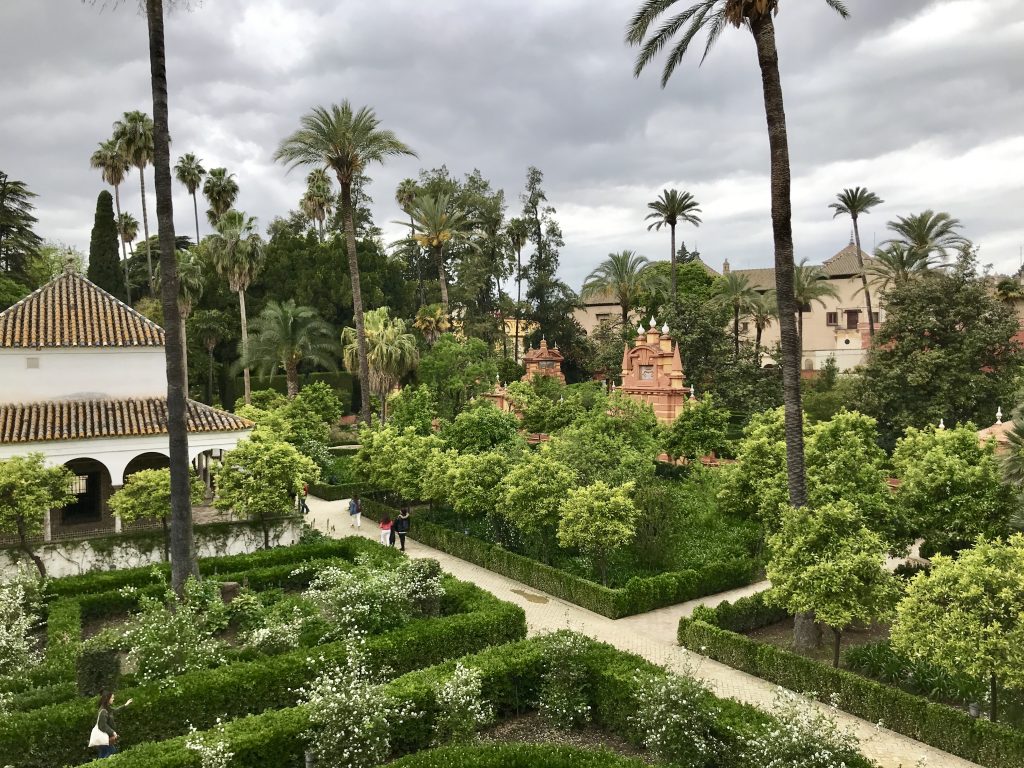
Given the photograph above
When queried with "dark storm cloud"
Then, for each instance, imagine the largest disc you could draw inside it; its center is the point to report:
(923, 101)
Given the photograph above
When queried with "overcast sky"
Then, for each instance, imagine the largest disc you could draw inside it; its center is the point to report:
(922, 101)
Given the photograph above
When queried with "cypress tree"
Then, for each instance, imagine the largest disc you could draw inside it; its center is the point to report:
(104, 262)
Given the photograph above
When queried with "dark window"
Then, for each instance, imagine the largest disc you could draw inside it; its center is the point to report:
(86, 506)
(852, 319)
(874, 316)
(831, 318)
(744, 327)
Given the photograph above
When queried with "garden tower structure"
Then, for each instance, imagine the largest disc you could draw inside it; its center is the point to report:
(652, 372)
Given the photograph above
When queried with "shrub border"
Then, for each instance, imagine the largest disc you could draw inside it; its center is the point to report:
(714, 632)
(639, 595)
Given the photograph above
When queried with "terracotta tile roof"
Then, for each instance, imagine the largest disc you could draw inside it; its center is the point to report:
(83, 419)
(845, 262)
(70, 311)
(760, 279)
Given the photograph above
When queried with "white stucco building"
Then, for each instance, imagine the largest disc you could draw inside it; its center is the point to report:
(82, 381)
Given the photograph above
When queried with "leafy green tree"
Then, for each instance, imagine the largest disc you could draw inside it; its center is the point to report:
(11, 292)
(286, 337)
(758, 17)
(19, 242)
(594, 454)
(699, 430)
(623, 276)
(395, 459)
(518, 235)
(474, 480)
(189, 172)
(210, 327)
(530, 496)
(671, 208)
(946, 351)
(28, 489)
(237, 251)
(598, 520)
(755, 486)
(951, 488)
(104, 265)
(855, 203)
(220, 190)
(391, 352)
(114, 166)
(413, 407)
(345, 141)
(322, 400)
(481, 427)
(735, 291)
(827, 560)
(261, 478)
(146, 494)
(966, 615)
(457, 370)
(134, 135)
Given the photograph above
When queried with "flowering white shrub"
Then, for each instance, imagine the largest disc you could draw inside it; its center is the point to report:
(802, 737)
(370, 599)
(351, 716)
(17, 620)
(171, 637)
(676, 718)
(212, 748)
(563, 691)
(461, 710)
(279, 631)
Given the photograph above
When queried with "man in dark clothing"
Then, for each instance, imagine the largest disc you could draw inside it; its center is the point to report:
(401, 526)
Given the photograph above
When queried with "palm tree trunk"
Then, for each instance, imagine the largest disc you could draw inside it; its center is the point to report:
(145, 216)
(757, 345)
(357, 300)
(195, 210)
(736, 332)
(291, 374)
(183, 562)
(519, 295)
(763, 30)
(672, 260)
(444, 281)
(624, 308)
(246, 382)
(184, 352)
(124, 255)
(864, 279)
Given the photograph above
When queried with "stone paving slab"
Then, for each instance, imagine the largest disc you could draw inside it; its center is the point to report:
(650, 635)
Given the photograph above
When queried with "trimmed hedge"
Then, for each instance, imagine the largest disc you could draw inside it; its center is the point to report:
(639, 595)
(337, 492)
(63, 644)
(518, 756)
(56, 735)
(710, 633)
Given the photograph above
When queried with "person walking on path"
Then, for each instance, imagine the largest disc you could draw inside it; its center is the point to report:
(401, 526)
(385, 531)
(105, 723)
(355, 512)
(305, 493)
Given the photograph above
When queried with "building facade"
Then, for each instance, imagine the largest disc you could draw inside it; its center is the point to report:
(82, 381)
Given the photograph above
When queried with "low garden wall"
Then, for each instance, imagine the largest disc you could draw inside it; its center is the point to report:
(715, 632)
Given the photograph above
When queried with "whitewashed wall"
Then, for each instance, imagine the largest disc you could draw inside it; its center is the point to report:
(81, 373)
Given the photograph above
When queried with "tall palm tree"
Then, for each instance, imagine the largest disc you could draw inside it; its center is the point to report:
(210, 326)
(285, 336)
(432, 322)
(896, 264)
(190, 172)
(758, 16)
(928, 234)
(673, 207)
(134, 135)
(191, 281)
(517, 233)
(391, 352)
(734, 290)
(405, 194)
(345, 141)
(316, 203)
(220, 190)
(438, 221)
(114, 166)
(128, 226)
(762, 311)
(624, 276)
(183, 561)
(236, 251)
(809, 286)
(853, 203)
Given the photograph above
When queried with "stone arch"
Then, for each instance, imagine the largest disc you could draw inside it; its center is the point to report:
(147, 460)
(808, 364)
(92, 486)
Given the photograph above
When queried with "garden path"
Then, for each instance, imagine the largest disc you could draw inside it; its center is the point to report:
(650, 635)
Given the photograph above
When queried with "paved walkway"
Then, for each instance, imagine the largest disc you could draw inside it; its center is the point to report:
(650, 635)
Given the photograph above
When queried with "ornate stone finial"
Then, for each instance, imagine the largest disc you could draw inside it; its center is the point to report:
(999, 415)
(942, 424)
(664, 329)
(640, 330)
(693, 392)
(654, 323)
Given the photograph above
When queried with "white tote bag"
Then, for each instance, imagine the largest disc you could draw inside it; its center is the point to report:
(98, 738)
